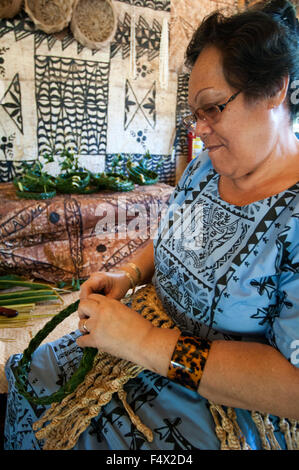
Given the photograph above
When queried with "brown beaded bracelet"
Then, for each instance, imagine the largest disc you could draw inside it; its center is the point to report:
(188, 360)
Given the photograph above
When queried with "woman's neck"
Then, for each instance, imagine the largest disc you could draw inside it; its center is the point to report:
(277, 173)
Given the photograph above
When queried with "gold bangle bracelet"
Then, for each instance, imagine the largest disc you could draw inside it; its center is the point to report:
(133, 285)
(137, 271)
(132, 282)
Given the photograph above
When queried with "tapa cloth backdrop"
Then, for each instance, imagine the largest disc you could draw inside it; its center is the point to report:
(54, 91)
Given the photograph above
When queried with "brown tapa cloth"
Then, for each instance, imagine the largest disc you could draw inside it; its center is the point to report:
(73, 235)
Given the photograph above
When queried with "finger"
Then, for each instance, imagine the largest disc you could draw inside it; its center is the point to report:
(85, 341)
(114, 294)
(97, 297)
(83, 327)
(89, 288)
(94, 284)
(87, 308)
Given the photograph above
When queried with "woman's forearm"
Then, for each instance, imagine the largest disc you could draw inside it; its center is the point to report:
(244, 375)
(144, 260)
(251, 376)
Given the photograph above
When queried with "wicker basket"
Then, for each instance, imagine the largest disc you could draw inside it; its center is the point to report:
(10, 8)
(93, 22)
(51, 16)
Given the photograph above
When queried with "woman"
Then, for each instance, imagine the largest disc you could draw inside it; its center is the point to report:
(232, 286)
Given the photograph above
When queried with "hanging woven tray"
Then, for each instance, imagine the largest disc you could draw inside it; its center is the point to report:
(93, 22)
(51, 16)
(10, 8)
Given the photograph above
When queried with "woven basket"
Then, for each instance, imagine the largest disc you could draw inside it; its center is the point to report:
(93, 22)
(51, 16)
(10, 8)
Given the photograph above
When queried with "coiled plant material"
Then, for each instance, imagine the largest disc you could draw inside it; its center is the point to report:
(94, 22)
(10, 8)
(50, 16)
(22, 370)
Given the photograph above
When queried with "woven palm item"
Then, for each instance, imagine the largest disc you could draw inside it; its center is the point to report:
(64, 422)
(50, 16)
(10, 8)
(93, 22)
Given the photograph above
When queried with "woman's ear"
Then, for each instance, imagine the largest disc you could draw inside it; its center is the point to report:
(279, 96)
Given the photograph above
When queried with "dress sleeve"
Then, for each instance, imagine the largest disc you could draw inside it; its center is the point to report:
(284, 333)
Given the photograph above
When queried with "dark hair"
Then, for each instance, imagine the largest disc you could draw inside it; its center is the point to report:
(259, 48)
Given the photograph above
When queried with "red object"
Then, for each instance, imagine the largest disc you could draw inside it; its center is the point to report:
(8, 312)
(191, 136)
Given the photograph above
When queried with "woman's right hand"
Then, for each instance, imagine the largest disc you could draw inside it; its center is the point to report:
(111, 284)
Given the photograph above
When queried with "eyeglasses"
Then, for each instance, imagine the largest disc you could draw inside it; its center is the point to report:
(210, 114)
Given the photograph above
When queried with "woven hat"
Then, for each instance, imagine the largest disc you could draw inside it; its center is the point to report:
(93, 22)
(10, 8)
(51, 16)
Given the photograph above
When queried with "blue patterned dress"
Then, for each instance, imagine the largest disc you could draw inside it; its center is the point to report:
(222, 271)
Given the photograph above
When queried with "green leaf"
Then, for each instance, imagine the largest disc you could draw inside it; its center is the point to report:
(12, 277)
(42, 298)
(23, 294)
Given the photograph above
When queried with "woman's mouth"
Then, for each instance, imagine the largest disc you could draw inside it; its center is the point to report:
(213, 148)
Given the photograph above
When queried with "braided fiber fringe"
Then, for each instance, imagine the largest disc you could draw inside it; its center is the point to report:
(232, 438)
(227, 429)
(64, 422)
(68, 419)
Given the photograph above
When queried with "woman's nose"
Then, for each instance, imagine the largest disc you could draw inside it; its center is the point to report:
(202, 128)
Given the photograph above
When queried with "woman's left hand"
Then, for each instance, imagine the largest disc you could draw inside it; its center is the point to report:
(112, 327)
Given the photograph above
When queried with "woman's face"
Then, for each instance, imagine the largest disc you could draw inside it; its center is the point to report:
(245, 135)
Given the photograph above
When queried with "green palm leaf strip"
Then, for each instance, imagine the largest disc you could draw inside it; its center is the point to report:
(22, 370)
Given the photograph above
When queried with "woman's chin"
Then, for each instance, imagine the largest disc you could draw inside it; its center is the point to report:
(222, 168)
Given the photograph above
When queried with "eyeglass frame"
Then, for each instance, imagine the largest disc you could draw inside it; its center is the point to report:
(220, 107)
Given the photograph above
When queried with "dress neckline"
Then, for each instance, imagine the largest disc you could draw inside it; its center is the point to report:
(216, 180)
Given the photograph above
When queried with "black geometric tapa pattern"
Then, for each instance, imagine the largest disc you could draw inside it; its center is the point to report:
(71, 99)
(51, 40)
(154, 4)
(9, 170)
(147, 38)
(50, 99)
(146, 106)
(21, 25)
(11, 102)
(181, 138)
